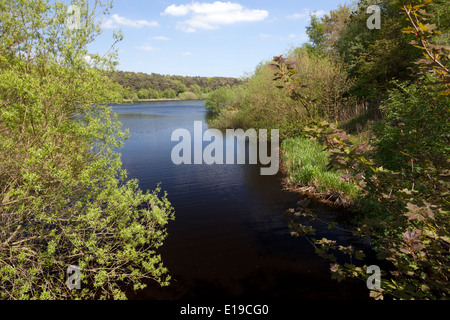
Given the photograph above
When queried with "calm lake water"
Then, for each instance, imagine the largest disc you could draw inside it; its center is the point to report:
(231, 238)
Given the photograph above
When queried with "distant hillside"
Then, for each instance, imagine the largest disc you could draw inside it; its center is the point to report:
(155, 86)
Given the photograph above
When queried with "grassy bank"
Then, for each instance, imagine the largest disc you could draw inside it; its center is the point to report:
(306, 165)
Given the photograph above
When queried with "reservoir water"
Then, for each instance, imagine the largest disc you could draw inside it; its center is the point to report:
(231, 236)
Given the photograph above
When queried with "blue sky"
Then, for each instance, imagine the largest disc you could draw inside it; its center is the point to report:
(206, 38)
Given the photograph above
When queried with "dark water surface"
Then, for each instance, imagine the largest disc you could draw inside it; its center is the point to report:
(230, 239)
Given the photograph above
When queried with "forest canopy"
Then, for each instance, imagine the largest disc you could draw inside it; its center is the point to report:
(140, 85)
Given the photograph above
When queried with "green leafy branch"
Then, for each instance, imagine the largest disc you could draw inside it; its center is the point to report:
(436, 56)
(410, 227)
(285, 71)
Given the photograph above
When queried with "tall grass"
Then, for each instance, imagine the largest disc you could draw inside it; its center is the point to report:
(306, 164)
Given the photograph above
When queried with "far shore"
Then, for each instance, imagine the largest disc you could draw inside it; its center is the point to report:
(156, 100)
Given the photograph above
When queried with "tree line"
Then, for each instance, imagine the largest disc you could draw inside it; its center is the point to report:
(138, 85)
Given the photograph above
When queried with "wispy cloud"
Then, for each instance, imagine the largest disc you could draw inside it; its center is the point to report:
(210, 16)
(303, 37)
(160, 38)
(118, 21)
(264, 36)
(187, 53)
(146, 48)
(306, 13)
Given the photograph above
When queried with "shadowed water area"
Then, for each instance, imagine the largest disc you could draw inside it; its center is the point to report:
(231, 237)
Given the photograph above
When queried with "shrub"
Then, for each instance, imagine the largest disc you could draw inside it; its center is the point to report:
(168, 94)
(416, 122)
(222, 98)
(187, 96)
(259, 104)
(326, 82)
(64, 198)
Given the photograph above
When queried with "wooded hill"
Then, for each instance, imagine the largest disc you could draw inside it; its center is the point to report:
(153, 86)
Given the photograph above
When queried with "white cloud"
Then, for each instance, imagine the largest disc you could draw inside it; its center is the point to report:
(160, 38)
(298, 16)
(306, 13)
(177, 11)
(146, 48)
(210, 16)
(187, 53)
(264, 36)
(116, 21)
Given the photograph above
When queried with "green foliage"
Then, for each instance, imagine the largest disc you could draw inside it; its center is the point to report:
(404, 182)
(180, 87)
(416, 122)
(187, 96)
(316, 33)
(325, 32)
(324, 82)
(375, 57)
(437, 57)
(441, 18)
(143, 94)
(64, 199)
(199, 92)
(221, 98)
(168, 94)
(159, 86)
(259, 104)
(405, 216)
(153, 94)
